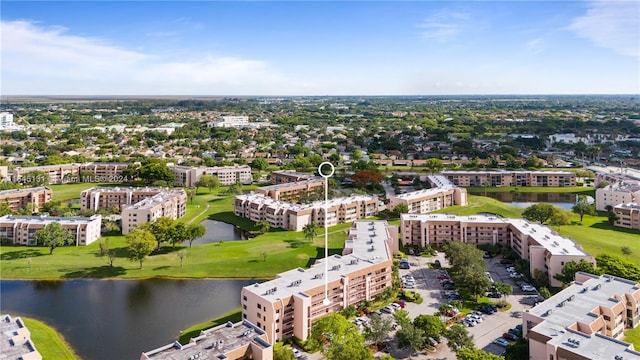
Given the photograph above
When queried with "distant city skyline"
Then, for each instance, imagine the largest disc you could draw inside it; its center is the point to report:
(243, 48)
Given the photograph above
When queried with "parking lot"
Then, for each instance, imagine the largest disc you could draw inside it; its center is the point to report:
(492, 327)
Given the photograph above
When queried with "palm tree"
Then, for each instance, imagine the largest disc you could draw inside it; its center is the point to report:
(310, 231)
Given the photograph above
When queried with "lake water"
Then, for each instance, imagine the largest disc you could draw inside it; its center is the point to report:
(526, 199)
(218, 230)
(119, 319)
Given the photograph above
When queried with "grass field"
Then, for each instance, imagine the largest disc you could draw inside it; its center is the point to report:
(71, 191)
(633, 336)
(49, 343)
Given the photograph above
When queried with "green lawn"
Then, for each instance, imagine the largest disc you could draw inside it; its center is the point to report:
(481, 204)
(71, 191)
(49, 343)
(633, 336)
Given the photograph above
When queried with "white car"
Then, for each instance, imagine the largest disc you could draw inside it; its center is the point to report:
(297, 353)
(395, 306)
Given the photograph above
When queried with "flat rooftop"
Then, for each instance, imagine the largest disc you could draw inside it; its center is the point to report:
(212, 343)
(41, 219)
(24, 191)
(575, 304)
(115, 189)
(367, 239)
(503, 172)
(159, 198)
(10, 328)
(419, 194)
(261, 199)
(439, 180)
(312, 181)
(632, 206)
(294, 173)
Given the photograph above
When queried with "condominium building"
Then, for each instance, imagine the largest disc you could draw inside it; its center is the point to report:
(441, 195)
(288, 305)
(19, 198)
(21, 229)
(627, 215)
(108, 197)
(620, 192)
(188, 176)
(510, 178)
(280, 214)
(290, 176)
(71, 173)
(293, 191)
(170, 203)
(585, 320)
(242, 340)
(230, 121)
(16, 340)
(545, 249)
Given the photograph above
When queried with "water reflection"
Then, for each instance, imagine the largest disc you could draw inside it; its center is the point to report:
(218, 230)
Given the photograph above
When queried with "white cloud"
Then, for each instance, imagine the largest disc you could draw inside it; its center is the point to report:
(534, 46)
(611, 24)
(444, 25)
(39, 60)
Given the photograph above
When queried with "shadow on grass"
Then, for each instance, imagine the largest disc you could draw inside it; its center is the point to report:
(604, 225)
(120, 252)
(97, 272)
(166, 250)
(295, 243)
(21, 254)
(253, 261)
(320, 255)
(163, 267)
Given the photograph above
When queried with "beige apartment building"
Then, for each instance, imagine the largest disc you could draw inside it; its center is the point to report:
(293, 191)
(510, 178)
(585, 320)
(169, 203)
(545, 249)
(107, 197)
(16, 340)
(19, 198)
(21, 229)
(290, 176)
(443, 195)
(288, 305)
(622, 192)
(71, 173)
(294, 217)
(627, 216)
(187, 176)
(242, 340)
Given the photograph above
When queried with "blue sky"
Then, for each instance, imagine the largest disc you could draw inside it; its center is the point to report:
(319, 47)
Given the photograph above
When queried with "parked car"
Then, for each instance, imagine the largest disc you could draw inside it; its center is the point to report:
(501, 342)
(388, 309)
(510, 336)
(297, 353)
(401, 303)
(395, 306)
(506, 262)
(437, 264)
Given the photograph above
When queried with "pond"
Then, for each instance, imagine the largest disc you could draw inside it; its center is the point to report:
(526, 199)
(119, 319)
(218, 230)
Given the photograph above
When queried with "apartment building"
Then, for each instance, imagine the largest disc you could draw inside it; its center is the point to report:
(288, 305)
(21, 229)
(169, 203)
(510, 178)
(108, 197)
(293, 191)
(187, 176)
(294, 217)
(627, 215)
(71, 173)
(19, 198)
(16, 340)
(545, 249)
(242, 340)
(585, 320)
(442, 194)
(290, 176)
(230, 121)
(620, 192)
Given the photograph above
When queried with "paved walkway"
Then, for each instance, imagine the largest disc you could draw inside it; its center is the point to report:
(199, 214)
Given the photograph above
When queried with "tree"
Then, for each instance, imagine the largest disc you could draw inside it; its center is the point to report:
(5, 208)
(400, 209)
(181, 255)
(540, 212)
(259, 164)
(105, 250)
(263, 226)
(377, 329)
(582, 207)
(156, 171)
(616, 266)
(430, 325)
(338, 338)
(52, 236)
(367, 177)
(410, 337)
(626, 250)
(195, 231)
(475, 282)
(177, 234)
(466, 353)
(283, 353)
(503, 288)
(485, 184)
(191, 194)
(264, 256)
(568, 273)
(560, 217)
(140, 243)
(458, 337)
(310, 231)
(517, 350)
(349, 312)
(434, 165)
(111, 226)
(161, 229)
(544, 292)
(209, 181)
